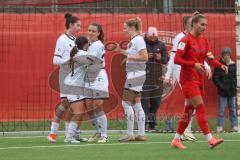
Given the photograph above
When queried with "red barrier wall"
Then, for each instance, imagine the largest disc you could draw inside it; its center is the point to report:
(27, 43)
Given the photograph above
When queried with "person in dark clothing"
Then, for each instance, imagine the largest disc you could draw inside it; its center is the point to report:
(153, 86)
(226, 86)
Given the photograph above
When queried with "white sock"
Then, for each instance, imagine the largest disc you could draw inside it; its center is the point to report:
(177, 136)
(208, 136)
(77, 133)
(140, 118)
(129, 117)
(102, 119)
(71, 130)
(66, 127)
(95, 123)
(189, 127)
(54, 128)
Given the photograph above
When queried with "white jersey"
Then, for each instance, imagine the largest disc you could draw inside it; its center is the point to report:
(76, 79)
(64, 45)
(173, 70)
(98, 88)
(136, 74)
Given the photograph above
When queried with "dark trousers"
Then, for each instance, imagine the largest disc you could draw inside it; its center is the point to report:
(151, 99)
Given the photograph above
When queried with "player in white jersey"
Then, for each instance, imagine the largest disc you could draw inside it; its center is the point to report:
(64, 45)
(96, 83)
(173, 72)
(135, 67)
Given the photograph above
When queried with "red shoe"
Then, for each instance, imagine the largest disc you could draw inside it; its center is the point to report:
(176, 143)
(52, 137)
(214, 142)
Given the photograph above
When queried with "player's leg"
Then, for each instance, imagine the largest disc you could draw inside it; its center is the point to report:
(77, 108)
(59, 111)
(128, 100)
(140, 115)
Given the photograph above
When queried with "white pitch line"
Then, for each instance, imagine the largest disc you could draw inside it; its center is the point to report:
(111, 144)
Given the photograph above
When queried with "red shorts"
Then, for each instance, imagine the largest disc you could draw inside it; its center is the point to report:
(192, 89)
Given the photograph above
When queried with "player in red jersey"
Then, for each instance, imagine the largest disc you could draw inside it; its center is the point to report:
(192, 50)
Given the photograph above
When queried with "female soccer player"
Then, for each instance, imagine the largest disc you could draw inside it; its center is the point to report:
(75, 79)
(61, 57)
(173, 71)
(96, 83)
(192, 50)
(135, 67)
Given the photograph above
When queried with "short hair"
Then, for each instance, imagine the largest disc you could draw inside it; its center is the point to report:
(226, 51)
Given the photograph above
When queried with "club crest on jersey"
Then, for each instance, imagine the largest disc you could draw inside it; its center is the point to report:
(70, 45)
(181, 46)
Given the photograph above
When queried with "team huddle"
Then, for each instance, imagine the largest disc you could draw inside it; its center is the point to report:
(83, 80)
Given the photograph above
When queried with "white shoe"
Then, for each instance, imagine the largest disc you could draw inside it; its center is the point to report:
(94, 138)
(103, 140)
(219, 129)
(235, 129)
(71, 140)
(188, 137)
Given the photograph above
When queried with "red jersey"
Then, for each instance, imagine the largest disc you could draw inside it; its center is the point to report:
(193, 50)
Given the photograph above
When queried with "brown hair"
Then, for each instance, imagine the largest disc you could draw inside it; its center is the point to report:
(100, 30)
(196, 17)
(80, 42)
(70, 19)
(134, 22)
(185, 20)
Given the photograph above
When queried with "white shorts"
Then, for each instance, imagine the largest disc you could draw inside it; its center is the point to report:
(135, 80)
(75, 84)
(99, 88)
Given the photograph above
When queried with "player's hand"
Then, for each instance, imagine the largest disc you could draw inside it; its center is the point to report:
(209, 73)
(150, 55)
(158, 57)
(225, 68)
(167, 82)
(119, 49)
(199, 67)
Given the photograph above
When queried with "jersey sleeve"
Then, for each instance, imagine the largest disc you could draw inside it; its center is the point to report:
(59, 48)
(210, 56)
(170, 66)
(181, 51)
(175, 44)
(58, 53)
(140, 44)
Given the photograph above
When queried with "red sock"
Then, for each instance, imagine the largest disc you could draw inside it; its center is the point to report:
(202, 119)
(185, 118)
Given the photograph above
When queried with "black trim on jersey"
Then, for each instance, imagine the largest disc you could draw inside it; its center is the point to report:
(72, 38)
(184, 33)
(174, 51)
(58, 55)
(103, 55)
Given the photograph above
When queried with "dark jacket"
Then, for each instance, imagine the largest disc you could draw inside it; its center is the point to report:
(153, 66)
(226, 83)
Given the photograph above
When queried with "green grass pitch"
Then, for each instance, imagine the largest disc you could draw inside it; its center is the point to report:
(156, 148)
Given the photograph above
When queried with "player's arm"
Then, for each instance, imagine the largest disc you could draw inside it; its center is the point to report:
(142, 54)
(213, 61)
(58, 53)
(181, 51)
(170, 66)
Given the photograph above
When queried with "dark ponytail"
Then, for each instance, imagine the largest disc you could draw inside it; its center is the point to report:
(70, 19)
(80, 43)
